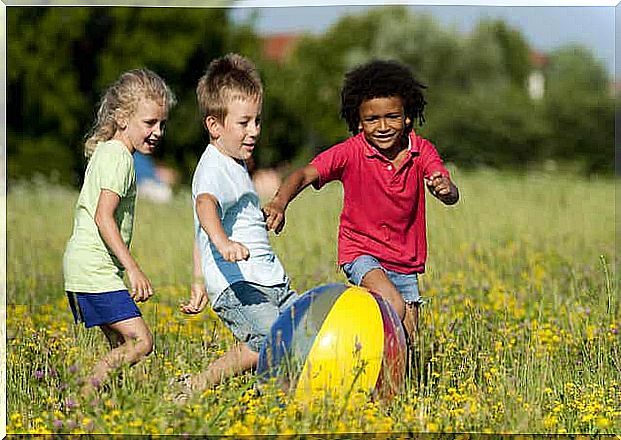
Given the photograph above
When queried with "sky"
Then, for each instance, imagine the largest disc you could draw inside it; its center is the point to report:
(544, 27)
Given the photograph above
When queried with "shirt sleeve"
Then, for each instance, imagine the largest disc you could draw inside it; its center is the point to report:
(431, 160)
(331, 163)
(208, 179)
(115, 171)
(205, 180)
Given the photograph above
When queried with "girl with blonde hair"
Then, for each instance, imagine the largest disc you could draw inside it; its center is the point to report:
(131, 118)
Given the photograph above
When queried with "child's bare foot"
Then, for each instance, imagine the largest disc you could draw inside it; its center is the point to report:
(88, 389)
(181, 389)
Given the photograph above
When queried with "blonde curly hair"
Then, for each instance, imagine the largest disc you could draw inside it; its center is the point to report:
(121, 99)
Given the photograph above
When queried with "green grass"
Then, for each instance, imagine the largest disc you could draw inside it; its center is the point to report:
(520, 333)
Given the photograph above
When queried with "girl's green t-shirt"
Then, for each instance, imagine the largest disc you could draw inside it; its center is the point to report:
(88, 265)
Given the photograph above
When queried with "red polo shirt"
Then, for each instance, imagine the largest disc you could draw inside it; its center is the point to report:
(383, 207)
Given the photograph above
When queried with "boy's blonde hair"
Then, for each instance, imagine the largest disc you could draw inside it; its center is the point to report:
(122, 98)
(227, 78)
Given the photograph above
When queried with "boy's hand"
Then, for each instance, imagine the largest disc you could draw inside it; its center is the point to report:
(198, 300)
(140, 285)
(438, 184)
(233, 251)
(274, 217)
(442, 187)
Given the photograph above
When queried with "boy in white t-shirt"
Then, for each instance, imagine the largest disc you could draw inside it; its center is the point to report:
(233, 259)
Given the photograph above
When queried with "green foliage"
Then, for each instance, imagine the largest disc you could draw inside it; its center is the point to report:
(31, 157)
(514, 51)
(574, 68)
(43, 90)
(580, 109)
(479, 110)
(492, 126)
(60, 59)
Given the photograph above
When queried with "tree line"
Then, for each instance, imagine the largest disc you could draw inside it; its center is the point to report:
(479, 112)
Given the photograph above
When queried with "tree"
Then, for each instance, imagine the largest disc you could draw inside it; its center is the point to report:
(495, 126)
(62, 59)
(43, 91)
(580, 109)
(515, 52)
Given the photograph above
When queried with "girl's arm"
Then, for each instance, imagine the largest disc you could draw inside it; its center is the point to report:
(207, 211)
(108, 202)
(274, 211)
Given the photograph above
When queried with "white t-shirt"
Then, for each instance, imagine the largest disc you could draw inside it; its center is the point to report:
(241, 216)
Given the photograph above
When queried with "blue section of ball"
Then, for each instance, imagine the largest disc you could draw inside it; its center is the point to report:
(284, 351)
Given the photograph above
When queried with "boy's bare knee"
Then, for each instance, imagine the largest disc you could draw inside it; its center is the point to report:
(375, 278)
(377, 281)
(399, 305)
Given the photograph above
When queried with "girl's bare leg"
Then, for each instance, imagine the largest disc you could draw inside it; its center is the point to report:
(137, 342)
(115, 339)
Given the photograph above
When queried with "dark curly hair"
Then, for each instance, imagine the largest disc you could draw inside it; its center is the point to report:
(381, 79)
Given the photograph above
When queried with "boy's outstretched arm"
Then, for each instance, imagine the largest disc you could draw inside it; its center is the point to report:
(274, 211)
(442, 188)
(207, 211)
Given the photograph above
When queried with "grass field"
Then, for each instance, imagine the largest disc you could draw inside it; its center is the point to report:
(520, 333)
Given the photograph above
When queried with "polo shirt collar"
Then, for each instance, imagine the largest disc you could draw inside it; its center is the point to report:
(371, 151)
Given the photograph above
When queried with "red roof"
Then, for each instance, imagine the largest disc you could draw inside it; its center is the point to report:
(277, 47)
(538, 59)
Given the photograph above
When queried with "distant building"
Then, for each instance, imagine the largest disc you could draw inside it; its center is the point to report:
(536, 79)
(277, 47)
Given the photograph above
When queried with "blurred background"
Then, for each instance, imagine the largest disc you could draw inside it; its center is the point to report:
(508, 88)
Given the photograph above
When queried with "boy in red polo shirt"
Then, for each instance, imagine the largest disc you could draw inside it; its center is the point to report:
(383, 167)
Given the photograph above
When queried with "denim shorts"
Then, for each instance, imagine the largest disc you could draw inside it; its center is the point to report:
(102, 308)
(249, 309)
(406, 284)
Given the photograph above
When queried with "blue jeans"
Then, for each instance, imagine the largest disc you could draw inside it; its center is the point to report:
(249, 309)
(406, 284)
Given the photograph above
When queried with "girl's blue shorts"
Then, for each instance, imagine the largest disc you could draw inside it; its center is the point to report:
(102, 308)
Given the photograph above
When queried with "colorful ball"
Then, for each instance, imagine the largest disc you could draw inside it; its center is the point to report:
(336, 338)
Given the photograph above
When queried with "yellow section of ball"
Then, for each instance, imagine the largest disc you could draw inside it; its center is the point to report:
(347, 352)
